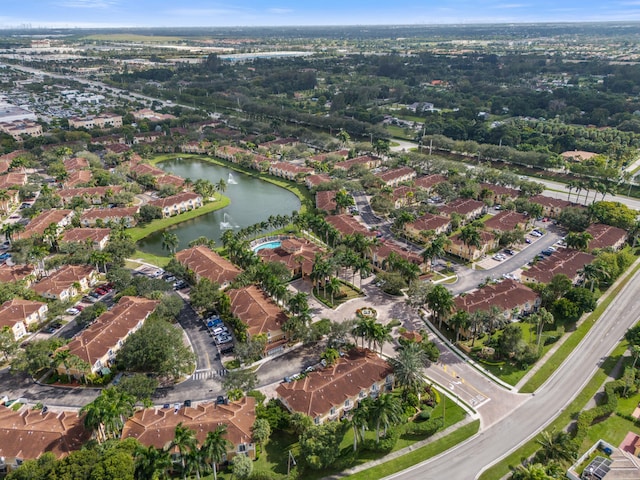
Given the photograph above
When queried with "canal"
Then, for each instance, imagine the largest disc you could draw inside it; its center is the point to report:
(252, 201)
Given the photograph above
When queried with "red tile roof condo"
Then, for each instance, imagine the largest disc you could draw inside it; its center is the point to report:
(564, 260)
(205, 263)
(347, 225)
(339, 387)
(506, 295)
(157, 426)
(605, 236)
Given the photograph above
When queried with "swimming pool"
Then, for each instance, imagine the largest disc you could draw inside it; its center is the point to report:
(274, 244)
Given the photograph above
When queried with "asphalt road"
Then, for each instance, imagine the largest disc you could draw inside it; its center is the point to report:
(469, 459)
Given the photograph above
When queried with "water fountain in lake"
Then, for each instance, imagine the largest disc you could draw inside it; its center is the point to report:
(231, 180)
(227, 223)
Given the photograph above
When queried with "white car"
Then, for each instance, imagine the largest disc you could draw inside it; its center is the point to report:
(73, 311)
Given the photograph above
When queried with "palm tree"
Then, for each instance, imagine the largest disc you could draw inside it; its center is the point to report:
(381, 334)
(298, 302)
(556, 446)
(359, 420)
(215, 447)
(9, 229)
(151, 463)
(184, 439)
(334, 286)
(170, 241)
(106, 414)
(436, 248)
(470, 236)
(476, 319)
(440, 302)
(593, 274)
(540, 319)
(100, 258)
(460, 321)
(343, 200)
(202, 240)
(386, 409)
(4, 199)
(407, 368)
(530, 471)
(578, 241)
(221, 186)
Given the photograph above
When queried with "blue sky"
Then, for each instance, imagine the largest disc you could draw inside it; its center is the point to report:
(166, 13)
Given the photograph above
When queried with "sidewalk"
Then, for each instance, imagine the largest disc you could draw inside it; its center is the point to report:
(401, 452)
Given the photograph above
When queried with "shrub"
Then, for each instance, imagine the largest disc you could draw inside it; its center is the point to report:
(425, 414)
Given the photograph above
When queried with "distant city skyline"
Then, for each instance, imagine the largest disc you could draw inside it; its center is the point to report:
(206, 13)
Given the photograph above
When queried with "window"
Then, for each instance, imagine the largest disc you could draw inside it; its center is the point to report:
(374, 388)
(242, 448)
(316, 420)
(333, 411)
(362, 394)
(347, 403)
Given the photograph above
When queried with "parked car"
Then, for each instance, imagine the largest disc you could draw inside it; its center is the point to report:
(509, 251)
(222, 339)
(79, 307)
(95, 295)
(220, 330)
(73, 311)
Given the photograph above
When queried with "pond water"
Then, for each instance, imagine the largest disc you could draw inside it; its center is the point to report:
(252, 201)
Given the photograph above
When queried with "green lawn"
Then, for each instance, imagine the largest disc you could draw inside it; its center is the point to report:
(151, 258)
(345, 289)
(138, 233)
(399, 132)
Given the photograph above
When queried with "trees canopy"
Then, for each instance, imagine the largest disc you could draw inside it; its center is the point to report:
(158, 347)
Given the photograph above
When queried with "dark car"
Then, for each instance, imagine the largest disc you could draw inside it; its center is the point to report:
(220, 400)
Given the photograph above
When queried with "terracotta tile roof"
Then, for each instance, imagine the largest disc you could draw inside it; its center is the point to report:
(174, 199)
(430, 222)
(206, 263)
(395, 173)
(62, 279)
(39, 223)
(17, 310)
(100, 192)
(403, 192)
(550, 202)
(365, 160)
(15, 272)
(75, 163)
(321, 157)
(462, 206)
(112, 326)
(485, 238)
(319, 391)
(500, 191)
(118, 148)
(77, 177)
(146, 169)
(347, 225)
(383, 250)
(156, 426)
(174, 180)
(81, 235)
(577, 155)
(429, 181)
(27, 434)
(12, 179)
(294, 253)
(326, 200)
(505, 295)
(109, 213)
(256, 310)
(318, 179)
(506, 221)
(565, 260)
(290, 167)
(605, 236)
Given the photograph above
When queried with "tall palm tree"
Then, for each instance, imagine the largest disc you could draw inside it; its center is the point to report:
(151, 463)
(359, 420)
(381, 334)
(556, 446)
(100, 258)
(386, 409)
(440, 302)
(10, 229)
(407, 368)
(107, 413)
(593, 274)
(4, 199)
(170, 242)
(470, 236)
(460, 321)
(334, 286)
(215, 447)
(184, 439)
(541, 318)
